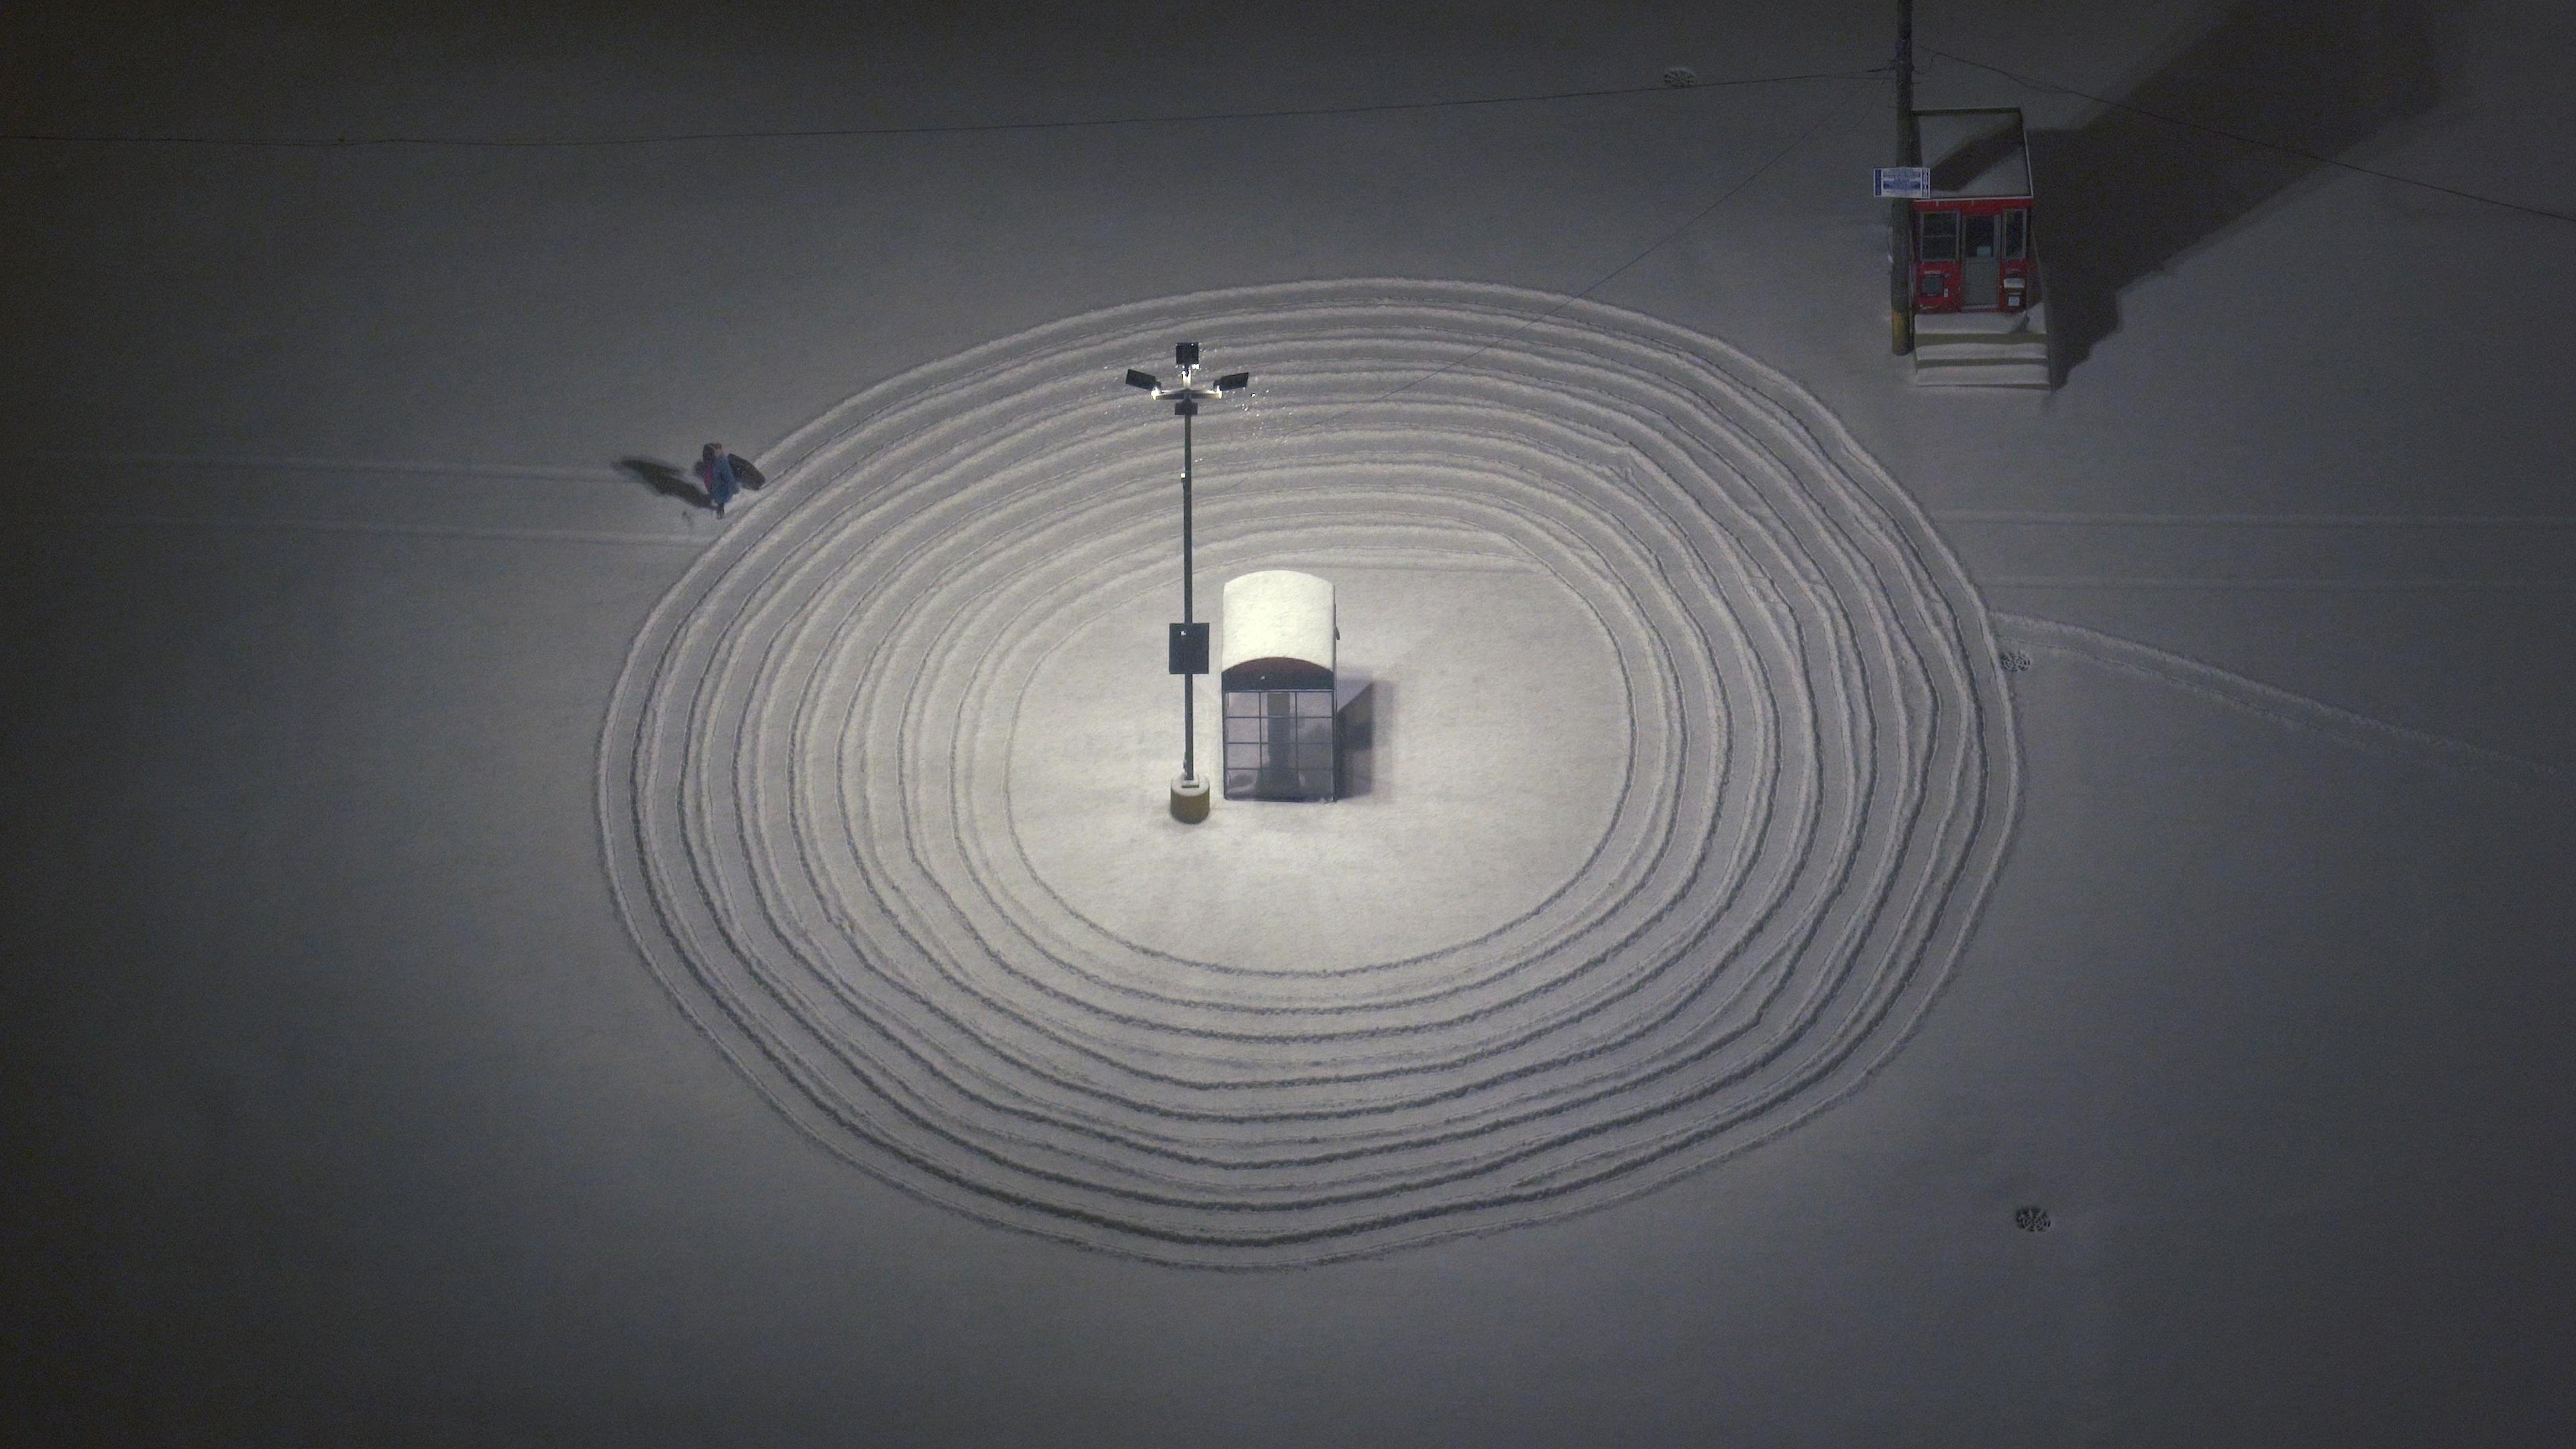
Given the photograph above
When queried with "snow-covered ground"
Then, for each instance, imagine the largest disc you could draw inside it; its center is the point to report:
(358, 1093)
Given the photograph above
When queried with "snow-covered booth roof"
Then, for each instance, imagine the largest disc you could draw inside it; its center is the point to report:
(1278, 631)
(1975, 153)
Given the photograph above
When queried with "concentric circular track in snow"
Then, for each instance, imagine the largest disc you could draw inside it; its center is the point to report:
(818, 779)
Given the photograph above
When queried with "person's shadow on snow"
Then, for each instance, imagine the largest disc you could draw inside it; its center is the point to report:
(665, 480)
(674, 482)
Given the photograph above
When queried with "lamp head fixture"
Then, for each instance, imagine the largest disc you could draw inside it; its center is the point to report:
(1189, 392)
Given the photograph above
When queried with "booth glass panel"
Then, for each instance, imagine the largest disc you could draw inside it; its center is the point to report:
(1279, 744)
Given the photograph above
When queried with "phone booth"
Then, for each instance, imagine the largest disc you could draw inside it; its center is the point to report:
(1277, 669)
(1973, 246)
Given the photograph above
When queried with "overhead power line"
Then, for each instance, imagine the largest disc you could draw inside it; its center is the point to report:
(2036, 84)
(967, 128)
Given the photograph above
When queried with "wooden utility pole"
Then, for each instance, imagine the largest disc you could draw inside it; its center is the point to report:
(1900, 213)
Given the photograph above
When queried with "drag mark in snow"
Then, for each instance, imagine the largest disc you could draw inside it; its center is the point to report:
(806, 785)
(2252, 696)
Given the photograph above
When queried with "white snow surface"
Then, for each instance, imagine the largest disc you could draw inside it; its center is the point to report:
(842, 816)
(364, 1088)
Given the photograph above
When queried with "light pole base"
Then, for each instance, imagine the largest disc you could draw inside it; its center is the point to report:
(1189, 799)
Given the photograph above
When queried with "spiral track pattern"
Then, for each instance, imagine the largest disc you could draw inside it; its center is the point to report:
(806, 778)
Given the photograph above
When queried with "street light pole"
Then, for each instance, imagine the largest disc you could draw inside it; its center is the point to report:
(1189, 411)
(1189, 641)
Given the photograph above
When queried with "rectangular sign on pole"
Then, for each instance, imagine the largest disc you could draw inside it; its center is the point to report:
(1189, 648)
(1915, 181)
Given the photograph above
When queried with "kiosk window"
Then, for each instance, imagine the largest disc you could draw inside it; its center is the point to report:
(2016, 233)
(1981, 236)
(1940, 236)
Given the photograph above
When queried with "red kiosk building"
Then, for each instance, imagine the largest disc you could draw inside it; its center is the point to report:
(1979, 317)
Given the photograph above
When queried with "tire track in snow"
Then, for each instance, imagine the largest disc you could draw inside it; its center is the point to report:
(806, 787)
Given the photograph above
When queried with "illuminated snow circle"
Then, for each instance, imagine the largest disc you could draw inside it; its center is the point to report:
(806, 777)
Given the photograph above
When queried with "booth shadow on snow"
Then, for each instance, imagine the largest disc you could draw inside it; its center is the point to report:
(2126, 194)
(1360, 721)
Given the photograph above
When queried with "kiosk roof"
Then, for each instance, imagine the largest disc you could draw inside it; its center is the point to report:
(1975, 153)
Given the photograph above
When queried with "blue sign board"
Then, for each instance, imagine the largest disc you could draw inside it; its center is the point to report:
(1901, 181)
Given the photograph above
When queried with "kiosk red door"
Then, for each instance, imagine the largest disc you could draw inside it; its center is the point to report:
(1936, 261)
(1981, 273)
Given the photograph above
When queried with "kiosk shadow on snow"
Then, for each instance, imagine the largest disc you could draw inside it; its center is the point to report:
(2127, 194)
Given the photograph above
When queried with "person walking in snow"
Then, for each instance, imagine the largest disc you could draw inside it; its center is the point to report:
(715, 469)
